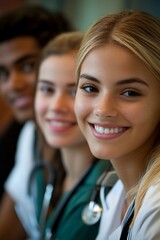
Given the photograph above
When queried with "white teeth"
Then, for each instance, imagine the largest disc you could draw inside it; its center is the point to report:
(107, 130)
(59, 124)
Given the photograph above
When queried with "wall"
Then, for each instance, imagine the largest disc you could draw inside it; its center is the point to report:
(81, 12)
(84, 12)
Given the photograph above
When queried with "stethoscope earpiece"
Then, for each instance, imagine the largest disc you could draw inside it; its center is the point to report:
(91, 213)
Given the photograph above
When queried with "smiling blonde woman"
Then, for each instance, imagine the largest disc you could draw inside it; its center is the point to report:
(119, 78)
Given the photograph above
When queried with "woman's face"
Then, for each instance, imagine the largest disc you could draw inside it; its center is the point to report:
(54, 101)
(117, 103)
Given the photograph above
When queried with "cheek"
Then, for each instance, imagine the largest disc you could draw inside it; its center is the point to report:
(31, 79)
(134, 114)
(143, 116)
(72, 108)
(80, 108)
(40, 107)
(150, 114)
(4, 88)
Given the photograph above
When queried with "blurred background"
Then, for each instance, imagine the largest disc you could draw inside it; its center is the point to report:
(82, 13)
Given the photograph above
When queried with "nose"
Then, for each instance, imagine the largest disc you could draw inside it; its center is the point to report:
(59, 103)
(106, 107)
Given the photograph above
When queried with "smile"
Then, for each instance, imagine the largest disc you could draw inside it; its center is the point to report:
(112, 130)
(60, 124)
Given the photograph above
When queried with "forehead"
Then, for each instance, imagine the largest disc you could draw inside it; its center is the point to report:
(58, 64)
(115, 63)
(12, 50)
(58, 69)
(112, 58)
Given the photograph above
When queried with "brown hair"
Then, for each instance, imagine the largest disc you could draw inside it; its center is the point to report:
(65, 43)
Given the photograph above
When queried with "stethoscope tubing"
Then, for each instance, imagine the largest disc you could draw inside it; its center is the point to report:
(64, 203)
(47, 195)
(50, 188)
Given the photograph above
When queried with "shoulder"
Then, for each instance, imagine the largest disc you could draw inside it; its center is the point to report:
(112, 205)
(153, 194)
(27, 130)
(24, 158)
(25, 141)
(147, 222)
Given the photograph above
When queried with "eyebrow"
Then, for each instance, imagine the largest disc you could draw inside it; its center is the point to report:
(52, 84)
(121, 82)
(25, 58)
(88, 77)
(44, 81)
(132, 80)
(21, 60)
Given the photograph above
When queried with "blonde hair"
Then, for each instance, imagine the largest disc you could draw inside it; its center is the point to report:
(151, 177)
(137, 31)
(140, 33)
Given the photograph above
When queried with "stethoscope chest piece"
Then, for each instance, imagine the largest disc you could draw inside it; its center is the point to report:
(91, 213)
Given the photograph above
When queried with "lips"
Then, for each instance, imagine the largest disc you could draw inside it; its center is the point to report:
(60, 126)
(107, 130)
(22, 102)
(60, 123)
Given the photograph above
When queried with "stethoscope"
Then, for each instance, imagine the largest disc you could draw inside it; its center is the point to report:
(49, 189)
(48, 193)
(91, 213)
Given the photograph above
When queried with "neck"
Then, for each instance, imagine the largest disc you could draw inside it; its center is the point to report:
(76, 161)
(131, 169)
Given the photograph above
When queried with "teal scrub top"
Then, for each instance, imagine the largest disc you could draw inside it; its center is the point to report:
(70, 225)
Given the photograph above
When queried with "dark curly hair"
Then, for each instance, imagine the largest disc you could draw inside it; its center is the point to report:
(35, 21)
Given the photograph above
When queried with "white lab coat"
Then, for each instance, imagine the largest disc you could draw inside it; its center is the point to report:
(147, 222)
(17, 183)
(112, 208)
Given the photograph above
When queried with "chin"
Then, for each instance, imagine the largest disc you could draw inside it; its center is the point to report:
(23, 117)
(55, 144)
(99, 153)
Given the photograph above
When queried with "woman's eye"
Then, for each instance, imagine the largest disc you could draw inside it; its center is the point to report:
(89, 88)
(45, 89)
(131, 93)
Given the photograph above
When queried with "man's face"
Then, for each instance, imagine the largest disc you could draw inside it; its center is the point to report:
(18, 58)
